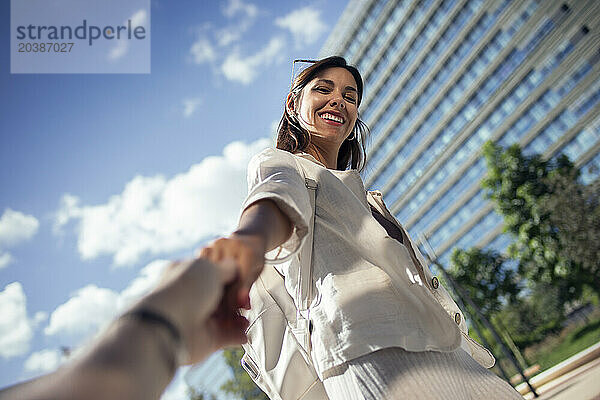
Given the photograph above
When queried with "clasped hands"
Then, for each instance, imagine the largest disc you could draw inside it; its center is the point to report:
(203, 298)
(192, 312)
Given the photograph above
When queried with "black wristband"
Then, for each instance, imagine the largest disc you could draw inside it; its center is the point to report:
(146, 315)
(152, 317)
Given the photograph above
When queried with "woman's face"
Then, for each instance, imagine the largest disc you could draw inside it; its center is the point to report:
(327, 107)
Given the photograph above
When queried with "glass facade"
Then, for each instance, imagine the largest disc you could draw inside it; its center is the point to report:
(443, 77)
(433, 87)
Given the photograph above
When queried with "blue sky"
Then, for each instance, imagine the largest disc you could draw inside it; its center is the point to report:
(105, 176)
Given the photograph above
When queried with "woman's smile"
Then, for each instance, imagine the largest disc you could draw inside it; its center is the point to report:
(332, 118)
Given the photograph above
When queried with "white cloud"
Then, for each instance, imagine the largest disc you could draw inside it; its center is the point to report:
(155, 215)
(235, 7)
(139, 18)
(122, 45)
(247, 13)
(44, 361)
(119, 50)
(5, 259)
(69, 209)
(87, 311)
(146, 280)
(84, 315)
(305, 24)
(16, 329)
(232, 33)
(190, 105)
(228, 35)
(91, 308)
(202, 51)
(16, 227)
(245, 69)
(38, 318)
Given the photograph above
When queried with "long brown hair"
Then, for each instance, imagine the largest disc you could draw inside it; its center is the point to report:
(292, 137)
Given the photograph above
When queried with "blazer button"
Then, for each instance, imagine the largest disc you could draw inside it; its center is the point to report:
(457, 318)
(435, 282)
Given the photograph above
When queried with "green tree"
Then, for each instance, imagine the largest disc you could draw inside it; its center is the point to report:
(241, 385)
(193, 394)
(486, 278)
(529, 192)
(574, 210)
(537, 313)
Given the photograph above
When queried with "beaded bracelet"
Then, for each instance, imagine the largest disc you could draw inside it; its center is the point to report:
(148, 316)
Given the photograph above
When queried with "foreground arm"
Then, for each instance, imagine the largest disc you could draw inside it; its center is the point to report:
(137, 358)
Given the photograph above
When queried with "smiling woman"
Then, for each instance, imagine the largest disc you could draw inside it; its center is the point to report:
(364, 317)
(298, 132)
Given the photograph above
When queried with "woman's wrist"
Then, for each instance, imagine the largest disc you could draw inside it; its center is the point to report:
(256, 240)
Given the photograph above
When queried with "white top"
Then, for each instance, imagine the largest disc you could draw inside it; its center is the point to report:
(368, 290)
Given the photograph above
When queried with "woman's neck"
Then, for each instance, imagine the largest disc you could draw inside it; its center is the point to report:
(326, 156)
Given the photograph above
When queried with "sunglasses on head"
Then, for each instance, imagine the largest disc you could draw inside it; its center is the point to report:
(300, 60)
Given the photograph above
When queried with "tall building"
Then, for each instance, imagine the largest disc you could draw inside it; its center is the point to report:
(444, 76)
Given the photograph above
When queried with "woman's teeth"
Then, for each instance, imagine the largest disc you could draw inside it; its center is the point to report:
(332, 117)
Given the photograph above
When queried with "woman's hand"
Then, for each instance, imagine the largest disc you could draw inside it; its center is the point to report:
(263, 227)
(246, 252)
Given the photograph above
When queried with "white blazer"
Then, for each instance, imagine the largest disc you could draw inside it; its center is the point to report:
(370, 291)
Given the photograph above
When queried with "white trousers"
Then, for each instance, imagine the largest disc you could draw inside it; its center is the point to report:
(395, 373)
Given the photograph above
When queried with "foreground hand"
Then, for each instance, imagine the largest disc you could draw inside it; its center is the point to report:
(247, 253)
(191, 293)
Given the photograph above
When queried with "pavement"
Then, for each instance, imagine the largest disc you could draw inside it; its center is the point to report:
(582, 383)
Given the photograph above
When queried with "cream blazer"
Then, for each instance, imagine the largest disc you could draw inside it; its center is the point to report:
(369, 291)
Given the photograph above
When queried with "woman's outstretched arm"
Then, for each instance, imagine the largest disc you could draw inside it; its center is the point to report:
(262, 227)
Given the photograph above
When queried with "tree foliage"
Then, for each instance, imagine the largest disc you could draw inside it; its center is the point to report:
(533, 316)
(574, 210)
(241, 385)
(536, 197)
(486, 278)
(193, 394)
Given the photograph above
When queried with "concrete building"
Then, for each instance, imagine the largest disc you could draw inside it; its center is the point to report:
(444, 76)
